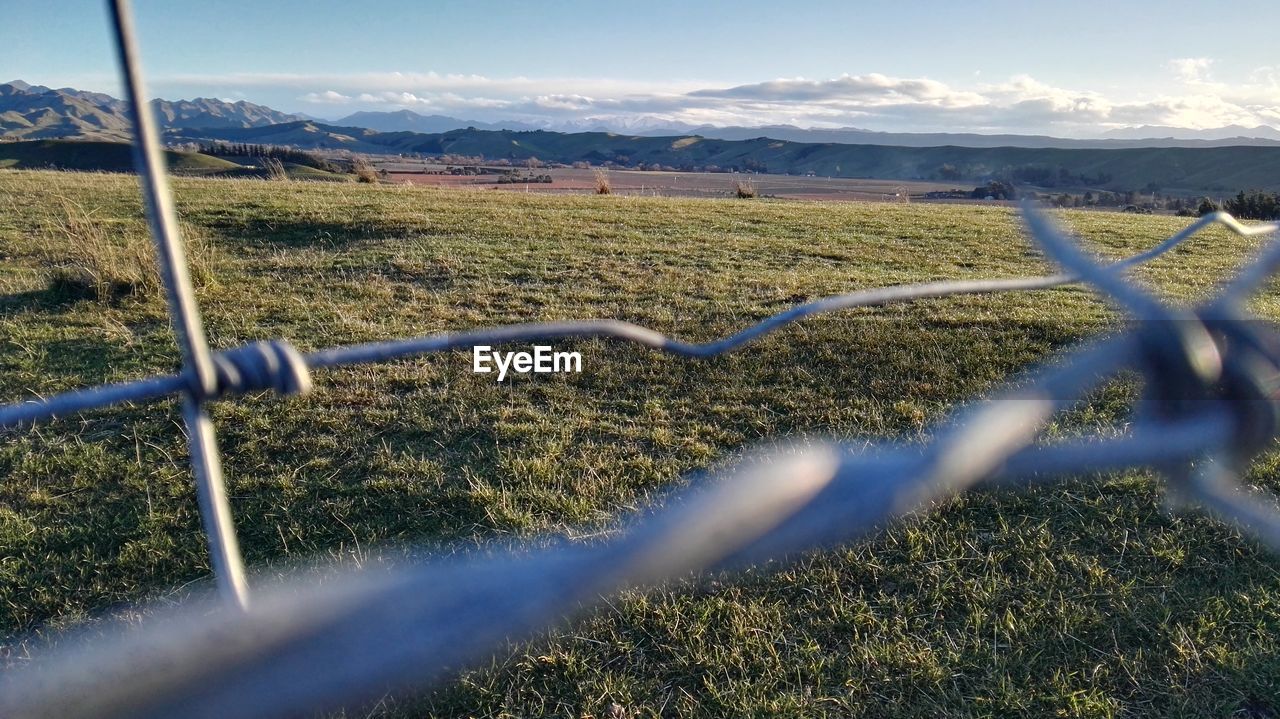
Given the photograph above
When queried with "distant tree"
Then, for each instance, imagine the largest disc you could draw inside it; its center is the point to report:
(1254, 206)
(995, 189)
(1206, 207)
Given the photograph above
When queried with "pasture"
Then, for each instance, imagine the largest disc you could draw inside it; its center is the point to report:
(1080, 599)
(678, 184)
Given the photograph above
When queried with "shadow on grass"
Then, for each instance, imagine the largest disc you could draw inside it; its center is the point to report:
(46, 299)
(289, 232)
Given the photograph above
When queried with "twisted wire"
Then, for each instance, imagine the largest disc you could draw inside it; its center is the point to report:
(150, 389)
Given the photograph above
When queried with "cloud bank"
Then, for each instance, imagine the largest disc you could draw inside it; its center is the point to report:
(1192, 99)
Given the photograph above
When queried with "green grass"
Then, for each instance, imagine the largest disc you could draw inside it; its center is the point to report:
(1083, 599)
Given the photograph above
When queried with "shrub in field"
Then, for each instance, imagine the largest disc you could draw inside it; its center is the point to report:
(275, 169)
(745, 189)
(87, 257)
(364, 170)
(603, 185)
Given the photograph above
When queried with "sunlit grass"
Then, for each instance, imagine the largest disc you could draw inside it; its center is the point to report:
(1081, 600)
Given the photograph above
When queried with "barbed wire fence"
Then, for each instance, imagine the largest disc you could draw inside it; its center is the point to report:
(1211, 377)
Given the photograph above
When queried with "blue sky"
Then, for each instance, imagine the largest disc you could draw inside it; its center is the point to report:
(1074, 69)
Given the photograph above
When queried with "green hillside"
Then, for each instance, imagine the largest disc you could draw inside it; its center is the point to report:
(100, 157)
(1192, 170)
(306, 135)
(117, 157)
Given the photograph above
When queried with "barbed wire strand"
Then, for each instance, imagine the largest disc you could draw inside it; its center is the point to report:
(47, 408)
(308, 645)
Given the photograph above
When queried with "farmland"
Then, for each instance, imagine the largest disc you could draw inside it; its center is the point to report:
(672, 184)
(1081, 599)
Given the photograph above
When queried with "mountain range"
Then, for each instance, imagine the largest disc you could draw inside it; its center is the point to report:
(33, 112)
(37, 112)
(410, 121)
(1145, 136)
(1180, 163)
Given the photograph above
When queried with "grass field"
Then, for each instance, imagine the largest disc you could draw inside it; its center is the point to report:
(1084, 599)
(676, 184)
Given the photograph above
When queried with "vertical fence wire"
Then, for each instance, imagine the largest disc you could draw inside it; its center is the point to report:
(197, 361)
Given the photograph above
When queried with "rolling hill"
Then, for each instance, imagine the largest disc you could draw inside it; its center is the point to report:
(97, 156)
(103, 156)
(1207, 169)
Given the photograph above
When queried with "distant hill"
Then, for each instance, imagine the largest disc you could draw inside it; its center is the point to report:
(1147, 136)
(1231, 133)
(1116, 139)
(305, 134)
(410, 121)
(99, 156)
(1193, 170)
(96, 156)
(30, 112)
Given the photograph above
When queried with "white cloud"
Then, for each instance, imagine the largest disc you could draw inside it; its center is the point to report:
(328, 97)
(873, 89)
(1191, 98)
(1191, 69)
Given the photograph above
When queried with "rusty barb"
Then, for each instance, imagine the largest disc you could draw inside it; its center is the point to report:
(1211, 377)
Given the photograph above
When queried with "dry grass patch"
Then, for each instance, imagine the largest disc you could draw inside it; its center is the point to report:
(275, 169)
(364, 170)
(89, 256)
(603, 185)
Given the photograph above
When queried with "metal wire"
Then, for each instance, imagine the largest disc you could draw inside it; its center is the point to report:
(1210, 374)
(292, 375)
(200, 380)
